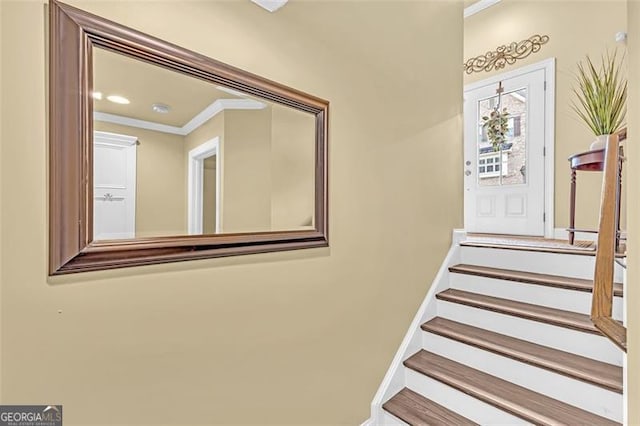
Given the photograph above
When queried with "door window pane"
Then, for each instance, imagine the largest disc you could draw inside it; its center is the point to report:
(510, 168)
(486, 177)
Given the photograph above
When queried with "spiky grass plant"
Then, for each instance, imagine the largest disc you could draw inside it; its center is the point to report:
(602, 95)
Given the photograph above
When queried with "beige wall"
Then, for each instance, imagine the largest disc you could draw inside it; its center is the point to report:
(633, 276)
(300, 337)
(292, 168)
(161, 194)
(209, 195)
(572, 36)
(246, 185)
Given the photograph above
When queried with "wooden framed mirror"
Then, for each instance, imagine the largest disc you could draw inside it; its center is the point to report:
(160, 154)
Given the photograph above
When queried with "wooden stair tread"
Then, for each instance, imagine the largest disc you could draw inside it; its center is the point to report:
(413, 408)
(578, 367)
(521, 402)
(577, 284)
(567, 319)
(490, 245)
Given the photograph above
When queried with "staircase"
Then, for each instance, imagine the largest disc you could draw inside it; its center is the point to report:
(504, 337)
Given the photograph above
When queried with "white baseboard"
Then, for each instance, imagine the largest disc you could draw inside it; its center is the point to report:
(458, 236)
(394, 379)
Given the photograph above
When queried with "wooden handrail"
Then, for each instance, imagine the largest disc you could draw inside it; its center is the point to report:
(601, 306)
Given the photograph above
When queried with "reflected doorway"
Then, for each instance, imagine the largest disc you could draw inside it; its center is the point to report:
(204, 200)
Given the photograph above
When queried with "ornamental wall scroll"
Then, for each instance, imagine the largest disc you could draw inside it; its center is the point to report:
(505, 54)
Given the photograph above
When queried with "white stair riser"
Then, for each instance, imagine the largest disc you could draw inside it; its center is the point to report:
(585, 344)
(459, 402)
(557, 298)
(390, 420)
(574, 392)
(568, 265)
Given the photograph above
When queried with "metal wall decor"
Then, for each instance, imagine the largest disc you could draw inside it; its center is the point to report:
(505, 54)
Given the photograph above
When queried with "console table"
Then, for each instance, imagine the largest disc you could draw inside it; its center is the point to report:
(591, 161)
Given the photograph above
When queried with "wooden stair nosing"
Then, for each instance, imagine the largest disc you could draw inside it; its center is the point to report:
(415, 409)
(577, 284)
(557, 317)
(588, 370)
(517, 400)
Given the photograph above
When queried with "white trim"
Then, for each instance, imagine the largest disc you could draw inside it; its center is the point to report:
(134, 122)
(198, 120)
(218, 106)
(394, 378)
(625, 378)
(195, 187)
(549, 67)
(270, 5)
(479, 6)
(107, 138)
(550, 146)
(548, 63)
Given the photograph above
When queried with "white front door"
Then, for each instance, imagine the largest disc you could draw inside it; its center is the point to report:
(504, 190)
(114, 186)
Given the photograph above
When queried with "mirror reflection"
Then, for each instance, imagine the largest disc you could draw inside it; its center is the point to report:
(175, 155)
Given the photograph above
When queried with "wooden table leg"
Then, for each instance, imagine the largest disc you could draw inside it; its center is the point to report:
(572, 207)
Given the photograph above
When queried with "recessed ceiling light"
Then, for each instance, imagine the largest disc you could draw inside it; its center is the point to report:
(118, 99)
(97, 95)
(161, 108)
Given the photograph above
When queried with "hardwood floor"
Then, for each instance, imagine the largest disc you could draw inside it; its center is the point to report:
(568, 283)
(578, 251)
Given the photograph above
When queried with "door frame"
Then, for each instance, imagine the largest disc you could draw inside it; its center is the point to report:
(549, 67)
(195, 185)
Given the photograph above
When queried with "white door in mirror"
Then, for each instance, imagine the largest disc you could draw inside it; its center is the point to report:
(114, 186)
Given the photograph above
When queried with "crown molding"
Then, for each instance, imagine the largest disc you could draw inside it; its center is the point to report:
(198, 120)
(218, 106)
(479, 6)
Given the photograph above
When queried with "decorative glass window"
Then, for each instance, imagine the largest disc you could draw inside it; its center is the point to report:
(515, 127)
(489, 165)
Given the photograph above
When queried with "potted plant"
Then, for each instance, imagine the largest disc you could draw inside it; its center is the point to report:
(601, 97)
(497, 125)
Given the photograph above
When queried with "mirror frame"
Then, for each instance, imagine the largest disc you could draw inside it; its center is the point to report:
(72, 35)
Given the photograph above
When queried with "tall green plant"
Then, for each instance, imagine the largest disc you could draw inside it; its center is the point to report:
(602, 95)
